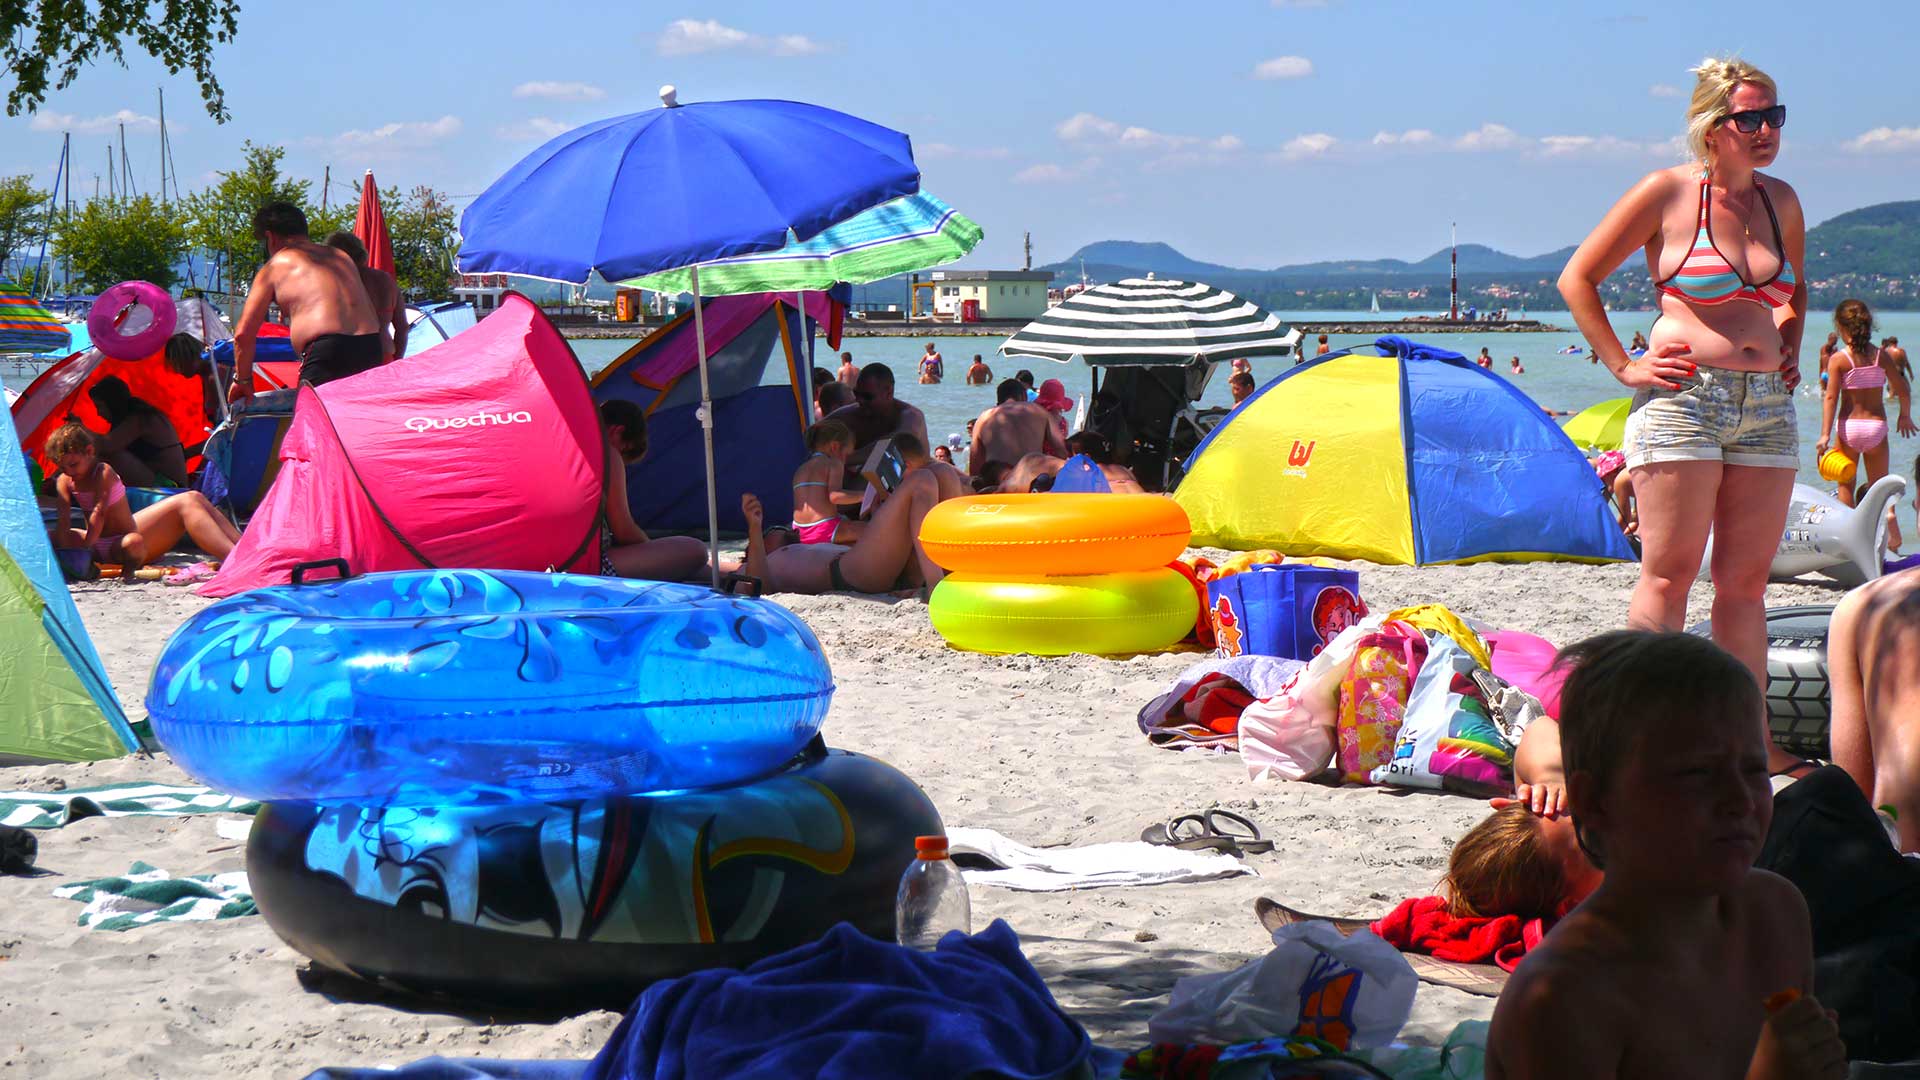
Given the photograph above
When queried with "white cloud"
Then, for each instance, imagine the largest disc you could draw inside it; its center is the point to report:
(974, 153)
(1306, 146)
(1602, 145)
(95, 125)
(1410, 137)
(1885, 140)
(687, 37)
(399, 135)
(1044, 173)
(1488, 137)
(559, 91)
(1664, 90)
(1086, 127)
(540, 128)
(1283, 67)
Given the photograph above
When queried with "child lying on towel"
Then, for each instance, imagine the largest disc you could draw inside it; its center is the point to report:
(1683, 961)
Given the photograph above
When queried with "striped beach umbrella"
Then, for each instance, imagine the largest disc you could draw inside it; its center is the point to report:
(26, 327)
(1147, 320)
(909, 233)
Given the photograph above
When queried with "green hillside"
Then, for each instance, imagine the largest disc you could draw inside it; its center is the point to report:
(1881, 240)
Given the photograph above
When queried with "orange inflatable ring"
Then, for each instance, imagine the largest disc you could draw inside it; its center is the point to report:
(1047, 533)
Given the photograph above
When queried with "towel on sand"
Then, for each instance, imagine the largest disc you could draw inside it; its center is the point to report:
(52, 809)
(148, 895)
(1262, 676)
(1424, 925)
(1125, 862)
(848, 1006)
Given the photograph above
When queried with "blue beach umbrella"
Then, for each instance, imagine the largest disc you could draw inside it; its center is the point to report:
(678, 186)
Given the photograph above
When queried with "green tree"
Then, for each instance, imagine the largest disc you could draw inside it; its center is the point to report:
(422, 228)
(23, 216)
(220, 218)
(45, 40)
(114, 240)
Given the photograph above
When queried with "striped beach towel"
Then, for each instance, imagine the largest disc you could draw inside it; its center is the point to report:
(52, 809)
(150, 895)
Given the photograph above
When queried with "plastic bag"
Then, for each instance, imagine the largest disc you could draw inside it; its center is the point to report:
(1463, 1057)
(1448, 740)
(1353, 992)
(1288, 736)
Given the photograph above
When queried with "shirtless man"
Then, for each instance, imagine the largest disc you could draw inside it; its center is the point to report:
(1873, 659)
(318, 289)
(848, 374)
(1014, 428)
(887, 558)
(979, 374)
(876, 413)
(1897, 356)
(383, 290)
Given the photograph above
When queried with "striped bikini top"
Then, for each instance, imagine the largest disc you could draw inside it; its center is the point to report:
(1863, 376)
(1705, 276)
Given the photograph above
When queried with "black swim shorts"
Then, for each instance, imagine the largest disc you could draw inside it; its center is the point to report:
(336, 356)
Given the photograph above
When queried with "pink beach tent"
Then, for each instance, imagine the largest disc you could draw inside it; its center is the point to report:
(484, 451)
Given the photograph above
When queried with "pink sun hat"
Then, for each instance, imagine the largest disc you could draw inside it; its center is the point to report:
(1053, 396)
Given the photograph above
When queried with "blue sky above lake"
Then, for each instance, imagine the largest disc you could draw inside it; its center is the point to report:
(1246, 132)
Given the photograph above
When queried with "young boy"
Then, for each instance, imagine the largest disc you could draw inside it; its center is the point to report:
(1686, 961)
(818, 487)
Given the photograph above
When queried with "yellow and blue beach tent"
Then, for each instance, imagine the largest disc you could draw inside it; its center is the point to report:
(1416, 456)
(58, 703)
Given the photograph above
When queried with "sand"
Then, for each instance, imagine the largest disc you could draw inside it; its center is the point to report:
(1043, 750)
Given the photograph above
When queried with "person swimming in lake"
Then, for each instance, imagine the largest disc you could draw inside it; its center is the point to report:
(932, 367)
(626, 549)
(1516, 368)
(1240, 385)
(1684, 959)
(819, 487)
(1859, 378)
(141, 443)
(114, 532)
(1711, 438)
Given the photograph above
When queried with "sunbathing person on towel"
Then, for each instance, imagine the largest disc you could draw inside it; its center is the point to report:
(887, 557)
(1687, 960)
(114, 533)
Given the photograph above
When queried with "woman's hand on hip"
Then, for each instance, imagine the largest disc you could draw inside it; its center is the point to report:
(1790, 365)
(1660, 368)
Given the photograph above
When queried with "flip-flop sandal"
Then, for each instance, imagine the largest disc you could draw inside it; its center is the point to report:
(191, 575)
(1167, 834)
(1248, 839)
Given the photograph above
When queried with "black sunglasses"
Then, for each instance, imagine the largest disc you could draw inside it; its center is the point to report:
(1750, 121)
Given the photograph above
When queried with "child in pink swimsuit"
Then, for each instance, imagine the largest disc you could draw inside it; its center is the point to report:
(1856, 391)
(818, 487)
(91, 484)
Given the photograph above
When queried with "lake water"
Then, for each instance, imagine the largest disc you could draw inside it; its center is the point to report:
(1554, 380)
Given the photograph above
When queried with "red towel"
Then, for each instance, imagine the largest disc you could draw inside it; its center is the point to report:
(1221, 702)
(1424, 925)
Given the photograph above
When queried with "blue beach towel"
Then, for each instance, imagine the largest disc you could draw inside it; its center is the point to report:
(439, 1068)
(850, 1007)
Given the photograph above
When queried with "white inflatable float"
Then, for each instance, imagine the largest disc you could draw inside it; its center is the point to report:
(1825, 536)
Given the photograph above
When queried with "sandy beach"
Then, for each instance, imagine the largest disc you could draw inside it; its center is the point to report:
(1045, 751)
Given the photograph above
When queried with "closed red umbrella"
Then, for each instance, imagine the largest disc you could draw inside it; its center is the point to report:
(370, 225)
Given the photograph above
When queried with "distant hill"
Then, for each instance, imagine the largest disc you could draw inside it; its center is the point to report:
(1882, 239)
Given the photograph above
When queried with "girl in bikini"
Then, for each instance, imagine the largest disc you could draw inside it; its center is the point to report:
(116, 534)
(1858, 374)
(818, 484)
(1711, 442)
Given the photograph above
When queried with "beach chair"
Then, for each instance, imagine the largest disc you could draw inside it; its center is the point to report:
(243, 454)
(1147, 411)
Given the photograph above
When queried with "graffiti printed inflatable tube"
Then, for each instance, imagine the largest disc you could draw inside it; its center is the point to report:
(585, 903)
(440, 686)
(1067, 533)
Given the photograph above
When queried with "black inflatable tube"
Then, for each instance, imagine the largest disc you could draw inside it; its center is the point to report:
(468, 904)
(1799, 703)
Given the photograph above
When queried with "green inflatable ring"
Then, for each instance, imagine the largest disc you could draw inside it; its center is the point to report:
(1103, 614)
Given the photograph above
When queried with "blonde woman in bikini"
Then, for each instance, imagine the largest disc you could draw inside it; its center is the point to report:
(1858, 375)
(1711, 441)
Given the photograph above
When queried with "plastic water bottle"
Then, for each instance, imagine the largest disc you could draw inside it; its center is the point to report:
(932, 898)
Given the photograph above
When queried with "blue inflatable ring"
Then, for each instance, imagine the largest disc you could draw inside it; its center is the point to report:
(441, 687)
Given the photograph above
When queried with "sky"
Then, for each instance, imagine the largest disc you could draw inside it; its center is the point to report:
(1252, 133)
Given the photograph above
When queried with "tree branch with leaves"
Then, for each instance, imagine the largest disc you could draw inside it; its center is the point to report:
(50, 41)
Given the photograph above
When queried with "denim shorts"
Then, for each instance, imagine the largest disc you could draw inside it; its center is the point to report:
(1736, 417)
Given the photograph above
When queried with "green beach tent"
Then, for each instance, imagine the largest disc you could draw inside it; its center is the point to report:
(55, 701)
